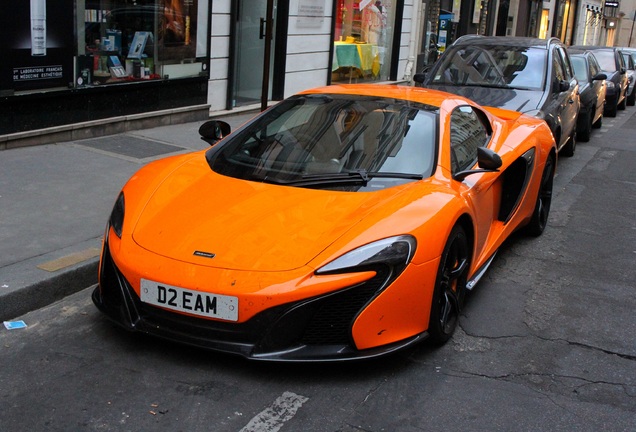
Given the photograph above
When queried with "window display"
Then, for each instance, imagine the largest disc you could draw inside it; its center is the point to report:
(85, 43)
(151, 39)
(363, 38)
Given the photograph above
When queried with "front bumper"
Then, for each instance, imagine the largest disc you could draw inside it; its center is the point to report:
(310, 330)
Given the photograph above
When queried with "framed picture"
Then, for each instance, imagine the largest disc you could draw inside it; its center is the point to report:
(138, 45)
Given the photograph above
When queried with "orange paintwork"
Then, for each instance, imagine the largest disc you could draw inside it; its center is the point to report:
(269, 239)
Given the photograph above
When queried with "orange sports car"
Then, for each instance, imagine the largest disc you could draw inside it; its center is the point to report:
(345, 222)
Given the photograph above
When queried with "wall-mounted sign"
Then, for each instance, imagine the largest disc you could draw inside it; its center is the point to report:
(311, 13)
(613, 4)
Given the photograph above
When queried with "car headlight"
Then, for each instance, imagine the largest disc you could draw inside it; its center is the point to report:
(117, 215)
(393, 252)
(610, 84)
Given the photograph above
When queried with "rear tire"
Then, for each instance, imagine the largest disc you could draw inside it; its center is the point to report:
(631, 100)
(450, 287)
(544, 199)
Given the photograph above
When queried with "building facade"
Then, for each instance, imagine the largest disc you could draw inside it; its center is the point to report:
(86, 61)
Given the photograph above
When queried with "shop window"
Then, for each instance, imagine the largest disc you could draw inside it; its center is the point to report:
(363, 40)
(148, 40)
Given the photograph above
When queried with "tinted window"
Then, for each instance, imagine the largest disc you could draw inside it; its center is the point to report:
(558, 72)
(580, 68)
(493, 65)
(606, 60)
(567, 67)
(316, 135)
(467, 134)
(595, 69)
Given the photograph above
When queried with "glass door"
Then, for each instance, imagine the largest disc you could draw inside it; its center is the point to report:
(250, 18)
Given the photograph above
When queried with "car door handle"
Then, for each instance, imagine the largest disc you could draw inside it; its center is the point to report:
(262, 29)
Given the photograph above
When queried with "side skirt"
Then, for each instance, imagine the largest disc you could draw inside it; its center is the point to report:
(472, 282)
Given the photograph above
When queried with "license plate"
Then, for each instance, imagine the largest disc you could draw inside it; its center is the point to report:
(189, 301)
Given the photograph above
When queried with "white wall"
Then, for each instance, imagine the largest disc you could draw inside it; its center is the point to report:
(220, 52)
(308, 47)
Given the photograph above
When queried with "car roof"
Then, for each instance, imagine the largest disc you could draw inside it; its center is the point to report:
(517, 41)
(430, 97)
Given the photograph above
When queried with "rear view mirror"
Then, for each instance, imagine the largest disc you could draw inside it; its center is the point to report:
(214, 130)
(599, 76)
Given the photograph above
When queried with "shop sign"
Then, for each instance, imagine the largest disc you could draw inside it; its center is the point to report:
(37, 45)
(612, 4)
(311, 13)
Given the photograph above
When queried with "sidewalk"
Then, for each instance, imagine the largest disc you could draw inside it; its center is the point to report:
(54, 203)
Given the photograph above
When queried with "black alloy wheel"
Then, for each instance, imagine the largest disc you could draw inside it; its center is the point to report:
(450, 287)
(544, 199)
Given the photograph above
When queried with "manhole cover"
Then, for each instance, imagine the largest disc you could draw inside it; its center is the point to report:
(130, 146)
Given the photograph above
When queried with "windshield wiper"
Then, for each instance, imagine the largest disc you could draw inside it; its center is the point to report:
(351, 177)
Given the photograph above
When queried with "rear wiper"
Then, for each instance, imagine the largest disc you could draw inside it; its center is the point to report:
(351, 177)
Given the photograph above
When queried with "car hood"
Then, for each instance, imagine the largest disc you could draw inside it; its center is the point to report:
(522, 101)
(201, 217)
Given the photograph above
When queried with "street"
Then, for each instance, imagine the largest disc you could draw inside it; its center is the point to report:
(546, 343)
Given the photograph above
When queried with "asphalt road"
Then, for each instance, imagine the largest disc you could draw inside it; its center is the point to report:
(546, 343)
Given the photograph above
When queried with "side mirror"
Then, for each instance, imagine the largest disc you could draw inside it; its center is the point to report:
(214, 130)
(599, 76)
(563, 85)
(419, 78)
(623, 70)
(487, 161)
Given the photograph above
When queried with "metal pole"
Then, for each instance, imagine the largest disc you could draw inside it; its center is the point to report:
(632, 32)
(269, 21)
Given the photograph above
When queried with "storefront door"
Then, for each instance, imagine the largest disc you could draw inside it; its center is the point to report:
(249, 39)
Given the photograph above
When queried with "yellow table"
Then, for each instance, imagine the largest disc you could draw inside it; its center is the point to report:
(362, 56)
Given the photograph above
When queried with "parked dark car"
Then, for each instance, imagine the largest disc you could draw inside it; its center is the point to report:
(630, 64)
(592, 89)
(529, 75)
(611, 61)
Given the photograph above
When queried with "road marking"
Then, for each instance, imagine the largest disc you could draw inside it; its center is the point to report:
(69, 260)
(272, 419)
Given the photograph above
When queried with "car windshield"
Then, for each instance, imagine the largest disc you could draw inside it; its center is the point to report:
(336, 142)
(493, 66)
(580, 68)
(606, 60)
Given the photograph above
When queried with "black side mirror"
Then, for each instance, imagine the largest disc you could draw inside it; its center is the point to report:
(419, 78)
(487, 161)
(623, 71)
(599, 76)
(562, 85)
(214, 130)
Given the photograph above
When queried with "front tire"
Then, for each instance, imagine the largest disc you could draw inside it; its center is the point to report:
(450, 287)
(586, 129)
(568, 149)
(544, 199)
(631, 99)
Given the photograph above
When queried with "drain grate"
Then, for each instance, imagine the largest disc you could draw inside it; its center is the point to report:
(130, 146)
